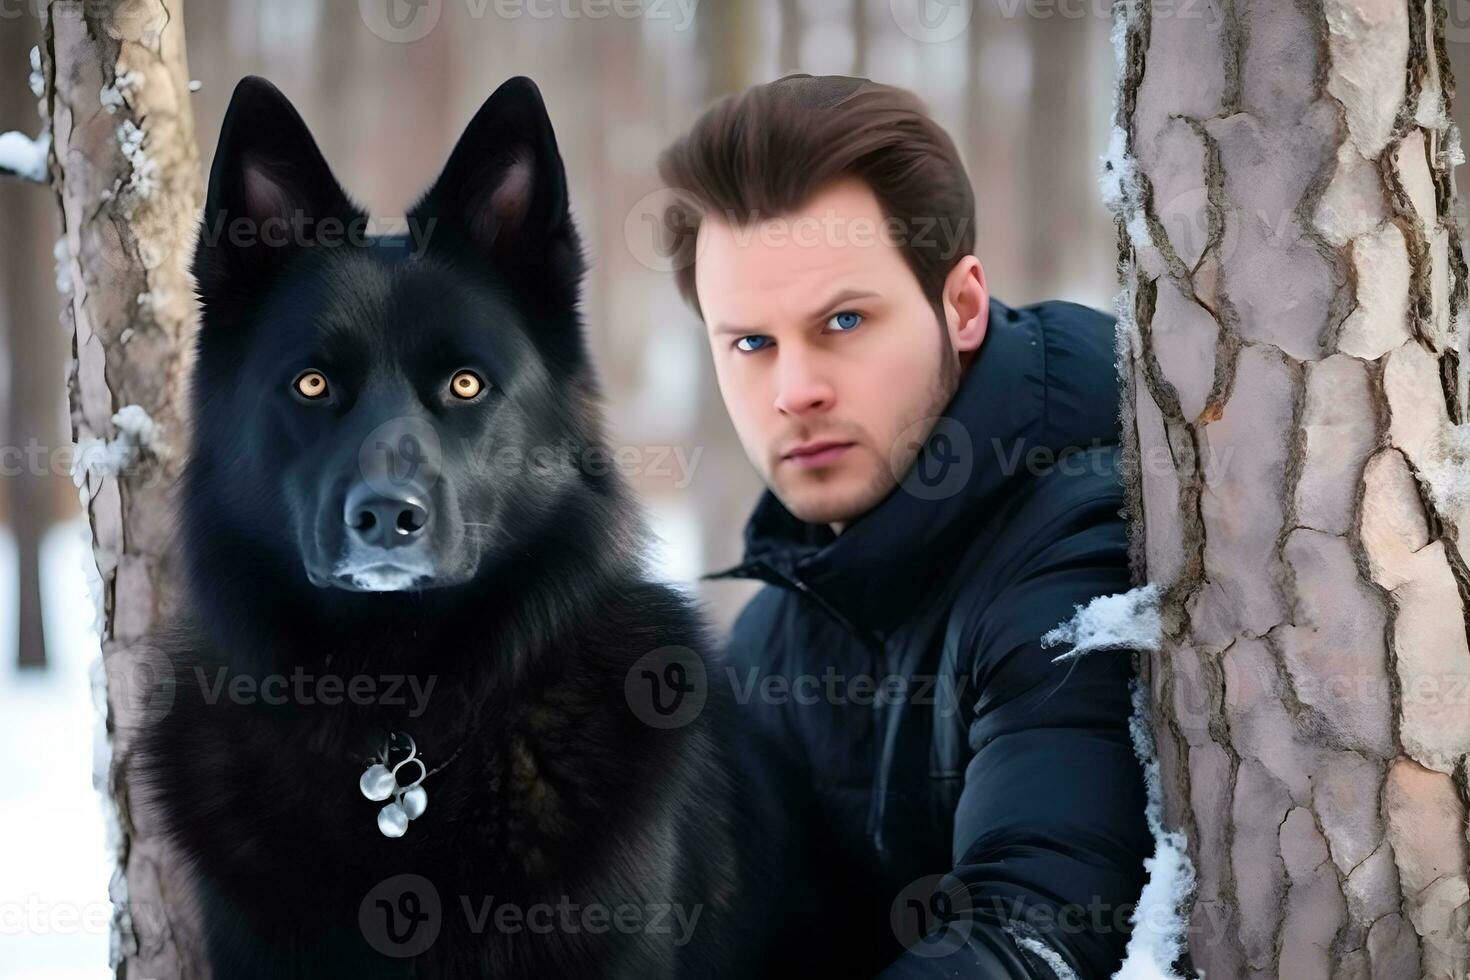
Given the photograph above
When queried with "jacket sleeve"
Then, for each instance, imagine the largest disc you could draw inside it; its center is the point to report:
(1049, 831)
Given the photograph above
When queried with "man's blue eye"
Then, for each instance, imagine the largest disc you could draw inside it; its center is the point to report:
(756, 342)
(846, 320)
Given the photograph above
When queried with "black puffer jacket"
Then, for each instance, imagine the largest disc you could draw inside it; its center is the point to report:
(914, 723)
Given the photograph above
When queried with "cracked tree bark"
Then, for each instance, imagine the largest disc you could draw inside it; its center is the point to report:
(125, 171)
(1293, 336)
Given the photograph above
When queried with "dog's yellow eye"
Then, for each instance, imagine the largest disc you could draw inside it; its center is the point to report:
(465, 384)
(311, 384)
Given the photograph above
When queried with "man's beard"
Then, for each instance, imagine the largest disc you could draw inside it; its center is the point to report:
(905, 450)
(901, 457)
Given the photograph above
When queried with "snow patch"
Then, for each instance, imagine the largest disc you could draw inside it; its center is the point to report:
(1043, 952)
(1160, 929)
(55, 863)
(36, 79)
(1121, 190)
(1447, 471)
(149, 303)
(62, 255)
(124, 84)
(1130, 620)
(1452, 146)
(23, 156)
(1126, 621)
(1126, 326)
(97, 592)
(137, 436)
(143, 170)
(1430, 112)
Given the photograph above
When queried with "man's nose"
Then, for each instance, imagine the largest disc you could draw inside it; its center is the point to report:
(800, 386)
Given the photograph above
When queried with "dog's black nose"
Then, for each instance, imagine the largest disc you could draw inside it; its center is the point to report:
(384, 521)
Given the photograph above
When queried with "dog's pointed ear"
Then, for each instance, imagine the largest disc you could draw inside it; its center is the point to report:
(504, 191)
(270, 189)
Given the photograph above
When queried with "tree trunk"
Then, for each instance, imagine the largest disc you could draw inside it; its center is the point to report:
(1292, 332)
(788, 48)
(728, 39)
(125, 170)
(1057, 195)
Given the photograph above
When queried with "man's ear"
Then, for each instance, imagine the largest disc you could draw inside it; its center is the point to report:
(966, 305)
(269, 191)
(503, 194)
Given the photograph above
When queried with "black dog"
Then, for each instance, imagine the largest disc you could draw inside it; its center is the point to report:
(431, 717)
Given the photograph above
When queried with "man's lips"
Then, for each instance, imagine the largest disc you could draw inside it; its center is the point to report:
(813, 454)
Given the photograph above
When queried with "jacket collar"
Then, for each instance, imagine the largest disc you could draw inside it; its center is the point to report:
(872, 574)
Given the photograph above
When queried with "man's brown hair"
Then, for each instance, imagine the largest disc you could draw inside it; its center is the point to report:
(765, 151)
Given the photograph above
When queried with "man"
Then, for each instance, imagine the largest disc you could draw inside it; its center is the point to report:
(943, 488)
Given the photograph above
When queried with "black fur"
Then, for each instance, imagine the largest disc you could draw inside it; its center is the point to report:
(538, 606)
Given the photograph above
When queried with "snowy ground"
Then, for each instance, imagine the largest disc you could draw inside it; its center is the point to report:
(54, 864)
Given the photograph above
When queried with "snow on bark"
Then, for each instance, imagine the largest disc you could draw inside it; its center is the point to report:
(138, 438)
(1446, 469)
(142, 179)
(1130, 621)
(63, 267)
(1118, 180)
(1160, 923)
(37, 80)
(115, 96)
(1126, 621)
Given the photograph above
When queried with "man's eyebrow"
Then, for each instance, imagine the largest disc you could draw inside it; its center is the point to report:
(819, 312)
(843, 296)
(735, 328)
(839, 298)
